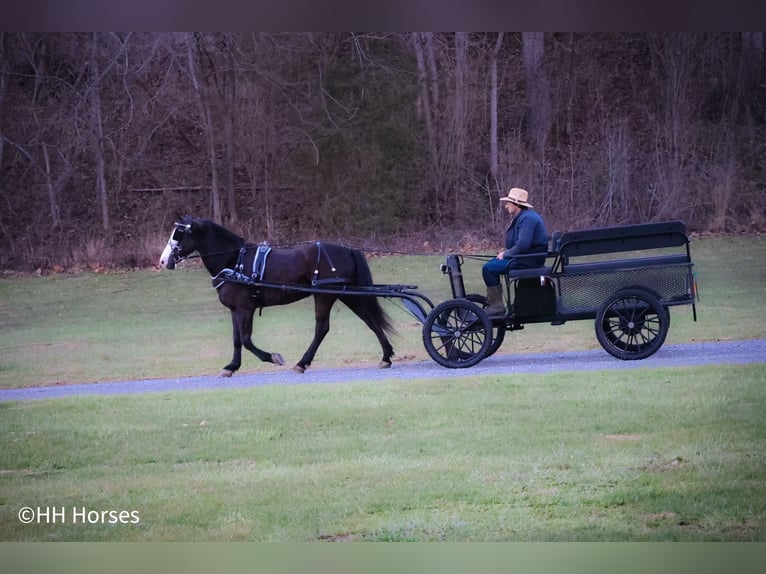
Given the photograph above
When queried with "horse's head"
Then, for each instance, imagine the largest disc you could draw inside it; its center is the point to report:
(180, 244)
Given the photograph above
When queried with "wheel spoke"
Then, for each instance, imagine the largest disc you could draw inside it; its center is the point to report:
(632, 325)
(457, 334)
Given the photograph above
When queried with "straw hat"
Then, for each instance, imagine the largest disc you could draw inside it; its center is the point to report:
(518, 196)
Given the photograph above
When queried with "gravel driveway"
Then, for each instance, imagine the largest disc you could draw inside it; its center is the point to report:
(721, 352)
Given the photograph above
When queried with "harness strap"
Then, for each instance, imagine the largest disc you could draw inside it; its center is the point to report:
(316, 280)
(237, 274)
(259, 261)
(258, 272)
(241, 259)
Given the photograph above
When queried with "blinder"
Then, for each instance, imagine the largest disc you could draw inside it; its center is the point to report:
(180, 231)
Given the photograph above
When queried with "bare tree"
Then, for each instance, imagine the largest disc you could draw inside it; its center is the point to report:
(429, 97)
(752, 65)
(3, 91)
(97, 132)
(3, 85)
(539, 116)
(493, 159)
(228, 90)
(104, 136)
(752, 46)
(201, 92)
(460, 115)
(444, 109)
(40, 140)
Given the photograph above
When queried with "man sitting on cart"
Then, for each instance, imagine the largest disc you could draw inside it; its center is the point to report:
(526, 234)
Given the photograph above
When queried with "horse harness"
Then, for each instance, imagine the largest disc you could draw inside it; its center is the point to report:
(257, 273)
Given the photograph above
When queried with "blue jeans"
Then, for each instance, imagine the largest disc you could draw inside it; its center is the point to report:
(492, 270)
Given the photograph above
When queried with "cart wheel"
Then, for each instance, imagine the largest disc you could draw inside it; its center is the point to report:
(498, 329)
(632, 324)
(456, 334)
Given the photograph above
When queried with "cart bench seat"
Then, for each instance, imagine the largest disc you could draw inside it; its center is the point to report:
(530, 273)
(621, 238)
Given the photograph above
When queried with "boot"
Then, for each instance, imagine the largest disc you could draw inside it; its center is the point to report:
(496, 305)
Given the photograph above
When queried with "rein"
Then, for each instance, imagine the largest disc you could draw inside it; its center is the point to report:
(178, 259)
(321, 251)
(368, 250)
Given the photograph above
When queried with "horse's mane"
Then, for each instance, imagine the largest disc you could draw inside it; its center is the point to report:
(221, 231)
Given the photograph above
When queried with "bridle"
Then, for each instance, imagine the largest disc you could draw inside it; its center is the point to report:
(177, 236)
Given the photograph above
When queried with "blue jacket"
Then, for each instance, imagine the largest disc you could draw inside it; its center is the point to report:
(526, 234)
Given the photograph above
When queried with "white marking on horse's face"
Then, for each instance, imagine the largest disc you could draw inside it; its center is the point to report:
(166, 259)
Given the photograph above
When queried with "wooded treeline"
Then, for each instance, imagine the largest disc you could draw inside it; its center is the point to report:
(369, 136)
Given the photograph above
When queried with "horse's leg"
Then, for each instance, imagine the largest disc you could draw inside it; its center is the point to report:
(242, 326)
(360, 306)
(236, 359)
(247, 341)
(322, 306)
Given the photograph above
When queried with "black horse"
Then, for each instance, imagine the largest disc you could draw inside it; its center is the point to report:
(308, 265)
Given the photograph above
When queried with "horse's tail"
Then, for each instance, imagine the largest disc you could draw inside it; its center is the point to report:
(369, 303)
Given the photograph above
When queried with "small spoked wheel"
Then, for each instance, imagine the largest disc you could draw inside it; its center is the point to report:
(498, 329)
(457, 334)
(632, 324)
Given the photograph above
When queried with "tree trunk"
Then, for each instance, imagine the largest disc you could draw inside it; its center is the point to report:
(428, 104)
(203, 102)
(267, 198)
(752, 64)
(425, 93)
(428, 39)
(493, 153)
(97, 133)
(460, 113)
(52, 195)
(752, 44)
(231, 192)
(3, 88)
(229, 98)
(539, 116)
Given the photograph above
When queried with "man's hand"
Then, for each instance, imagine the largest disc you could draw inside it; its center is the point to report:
(501, 255)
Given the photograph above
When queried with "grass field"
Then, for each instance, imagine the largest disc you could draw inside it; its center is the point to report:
(645, 454)
(93, 327)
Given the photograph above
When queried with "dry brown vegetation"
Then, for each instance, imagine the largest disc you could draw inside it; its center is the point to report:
(374, 138)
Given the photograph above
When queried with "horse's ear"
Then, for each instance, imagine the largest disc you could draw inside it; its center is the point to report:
(194, 225)
(186, 220)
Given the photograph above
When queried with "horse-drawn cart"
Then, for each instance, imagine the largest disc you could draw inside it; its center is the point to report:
(628, 295)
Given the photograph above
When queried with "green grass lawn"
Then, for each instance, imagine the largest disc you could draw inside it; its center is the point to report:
(147, 324)
(672, 454)
(644, 454)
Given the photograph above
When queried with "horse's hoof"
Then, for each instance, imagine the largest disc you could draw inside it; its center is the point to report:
(299, 369)
(277, 359)
(226, 373)
(384, 365)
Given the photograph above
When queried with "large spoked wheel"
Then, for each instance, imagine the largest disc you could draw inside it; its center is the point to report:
(498, 329)
(632, 324)
(457, 334)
